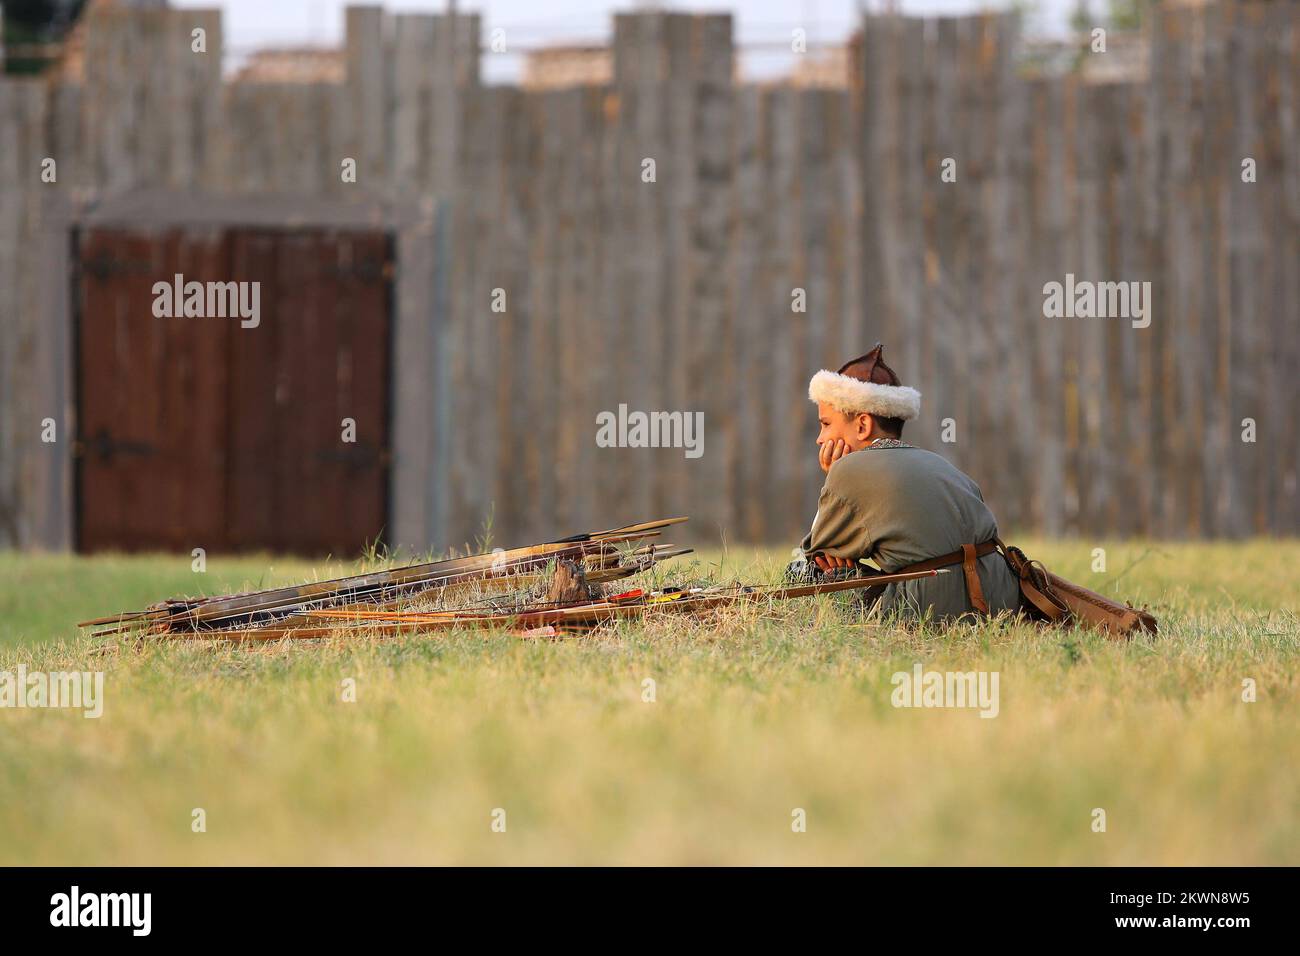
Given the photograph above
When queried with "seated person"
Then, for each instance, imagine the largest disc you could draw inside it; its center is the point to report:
(899, 505)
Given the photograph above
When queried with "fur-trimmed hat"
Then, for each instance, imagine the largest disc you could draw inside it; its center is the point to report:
(866, 384)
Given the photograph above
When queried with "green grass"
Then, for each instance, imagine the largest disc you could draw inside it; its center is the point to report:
(755, 715)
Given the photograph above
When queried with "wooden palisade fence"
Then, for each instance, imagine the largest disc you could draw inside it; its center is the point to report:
(677, 294)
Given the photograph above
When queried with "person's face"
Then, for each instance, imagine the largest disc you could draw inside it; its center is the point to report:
(853, 430)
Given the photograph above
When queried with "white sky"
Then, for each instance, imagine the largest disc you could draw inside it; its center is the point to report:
(255, 23)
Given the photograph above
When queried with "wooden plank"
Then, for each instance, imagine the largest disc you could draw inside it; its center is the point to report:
(1072, 424)
(545, 153)
(484, 263)
(966, 271)
(112, 94)
(14, 420)
(42, 318)
(1242, 325)
(305, 330)
(814, 225)
(254, 400)
(1166, 456)
(881, 68)
(599, 323)
(750, 319)
(39, 369)
(1096, 483)
(454, 78)
(454, 94)
(607, 331)
(573, 435)
(849, 185)
(1134, 369)
(926, 428)
(806, 333)
(791, 460)
(1159, 492)
(1259, 460)
(838, 273)
(517, 278)
(361, 374)
(366, 98)
(579, 318)
(157, 71)
(663, 44)
(704, 329)
(1047, 174)
(192, 411)
(412, 52)
(907, 254)
(671, 110)
(417, 483)
(204, 130)
(1006, 399)
(943, 396)
(64, 136)
(52, 511)
(1284, 467)
(1103, 337)
(1222, 301)
(460, 465)
(1186, 368)
(638, 300)
(985, 356)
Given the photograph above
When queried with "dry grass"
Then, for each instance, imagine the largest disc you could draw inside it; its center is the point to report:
(756, 714)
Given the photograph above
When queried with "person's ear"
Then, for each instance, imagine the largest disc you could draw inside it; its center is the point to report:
(866, 424)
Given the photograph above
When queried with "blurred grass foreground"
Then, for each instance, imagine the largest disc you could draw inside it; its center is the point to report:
(737, 739)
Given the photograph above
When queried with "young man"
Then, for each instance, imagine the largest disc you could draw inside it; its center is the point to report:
(903, 507)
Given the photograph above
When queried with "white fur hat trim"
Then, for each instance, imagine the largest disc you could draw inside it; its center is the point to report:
(851, 396)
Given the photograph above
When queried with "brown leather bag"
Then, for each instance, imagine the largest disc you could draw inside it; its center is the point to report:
(1058, 601)
(1048, 598)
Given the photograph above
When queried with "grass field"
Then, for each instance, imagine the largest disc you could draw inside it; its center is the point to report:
(754, 717)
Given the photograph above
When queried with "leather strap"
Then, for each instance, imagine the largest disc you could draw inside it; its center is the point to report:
(946, 560)
(966, 557)
(1034, 584)
(973, 589)
(1051, 610)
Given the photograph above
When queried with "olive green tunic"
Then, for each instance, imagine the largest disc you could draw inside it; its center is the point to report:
(897, 505)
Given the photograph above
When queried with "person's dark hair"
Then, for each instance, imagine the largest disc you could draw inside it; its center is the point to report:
(869, 368)
(893, 427)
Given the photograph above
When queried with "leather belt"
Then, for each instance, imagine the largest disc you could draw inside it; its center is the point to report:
(966, 557)
(946, 560)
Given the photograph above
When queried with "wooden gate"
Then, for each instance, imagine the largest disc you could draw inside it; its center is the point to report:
(204, 431)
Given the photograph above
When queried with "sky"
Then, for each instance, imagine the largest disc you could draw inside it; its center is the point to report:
(250, 24)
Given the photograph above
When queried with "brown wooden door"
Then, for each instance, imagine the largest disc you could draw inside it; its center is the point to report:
(198, 432)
